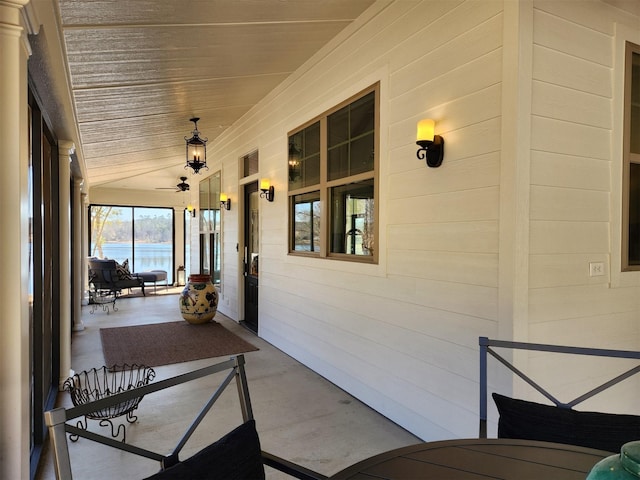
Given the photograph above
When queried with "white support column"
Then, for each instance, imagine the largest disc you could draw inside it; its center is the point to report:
(65, 150)
(78, 255)
(515, 181)
(515, 188)
(14, 244)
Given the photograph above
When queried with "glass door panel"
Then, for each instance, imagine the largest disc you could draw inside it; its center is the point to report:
(251, 261)
(153, 240)
(210, 227)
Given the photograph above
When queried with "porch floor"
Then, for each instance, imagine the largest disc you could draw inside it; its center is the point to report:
(299, 414)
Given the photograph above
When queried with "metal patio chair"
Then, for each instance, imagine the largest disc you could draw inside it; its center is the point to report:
(237, 455)
(559, 422)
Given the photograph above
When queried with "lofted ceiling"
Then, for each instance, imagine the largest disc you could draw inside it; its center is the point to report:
(139, 70)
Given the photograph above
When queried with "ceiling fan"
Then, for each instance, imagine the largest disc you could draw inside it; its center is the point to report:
(183, 186)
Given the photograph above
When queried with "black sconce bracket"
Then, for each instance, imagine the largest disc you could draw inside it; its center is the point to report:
(431, 151)
(268, 194)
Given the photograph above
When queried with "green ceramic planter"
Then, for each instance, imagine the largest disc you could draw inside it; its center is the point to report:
(622, 466)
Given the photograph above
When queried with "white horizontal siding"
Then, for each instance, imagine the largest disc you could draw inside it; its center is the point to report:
(592, 14)
(445, 237)
(559, 170)
(467, 205)
(569, 204)
(570, 36)
(569, 237)
(450, 46)
(568, 138)
(571, 165)
(559, 68)
(402, 335)
(368, 358)
(467, 268)
(558, 303)
(562, 103)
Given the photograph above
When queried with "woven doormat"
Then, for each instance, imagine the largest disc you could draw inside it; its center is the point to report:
(166, 343)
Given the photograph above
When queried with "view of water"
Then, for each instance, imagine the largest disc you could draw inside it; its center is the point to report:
(148, 256)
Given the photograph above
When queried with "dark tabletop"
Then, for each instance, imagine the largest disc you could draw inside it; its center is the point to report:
(478, 459)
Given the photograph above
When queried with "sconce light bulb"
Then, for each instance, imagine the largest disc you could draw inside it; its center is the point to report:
(426, 129)
(431, 145)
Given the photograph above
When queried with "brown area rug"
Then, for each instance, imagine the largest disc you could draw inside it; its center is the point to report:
(165, 343)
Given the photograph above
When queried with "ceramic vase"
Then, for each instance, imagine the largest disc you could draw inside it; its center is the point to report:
(622, 466)
(199, 299)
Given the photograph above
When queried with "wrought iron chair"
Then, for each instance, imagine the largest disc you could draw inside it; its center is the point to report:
(106, 283)
(558, 422)
(237, 455)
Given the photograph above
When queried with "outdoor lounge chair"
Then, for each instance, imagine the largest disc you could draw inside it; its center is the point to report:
(107, 281)
(237, 455)
(557, 423)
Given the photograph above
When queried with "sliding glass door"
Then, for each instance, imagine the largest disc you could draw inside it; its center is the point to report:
(44, 269)
(142, 235)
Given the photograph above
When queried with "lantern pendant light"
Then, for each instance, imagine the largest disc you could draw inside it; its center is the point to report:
(196, 149)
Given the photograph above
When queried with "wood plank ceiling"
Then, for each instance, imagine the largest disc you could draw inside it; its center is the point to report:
(141, 69)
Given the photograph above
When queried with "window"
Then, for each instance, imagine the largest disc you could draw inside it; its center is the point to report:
(210, 229)
(307, 222)
(141, 235)
(333, 163)
(631, 235)
(250, 164)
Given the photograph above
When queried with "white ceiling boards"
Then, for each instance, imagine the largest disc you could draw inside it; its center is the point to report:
(140, 70)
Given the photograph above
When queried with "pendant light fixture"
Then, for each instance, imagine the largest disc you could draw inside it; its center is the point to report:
(196, 149)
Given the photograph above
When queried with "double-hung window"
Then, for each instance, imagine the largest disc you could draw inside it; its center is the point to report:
(333, 170)
(631, 221)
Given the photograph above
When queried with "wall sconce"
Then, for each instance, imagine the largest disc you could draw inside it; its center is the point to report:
(225, 201)
(196, 149)
(431, 145)
(266, 190)
(191, 209)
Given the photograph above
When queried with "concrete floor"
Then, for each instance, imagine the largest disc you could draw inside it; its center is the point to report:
(299, 415)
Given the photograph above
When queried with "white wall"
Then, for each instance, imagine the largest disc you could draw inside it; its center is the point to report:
(401, 335)
(576, 182)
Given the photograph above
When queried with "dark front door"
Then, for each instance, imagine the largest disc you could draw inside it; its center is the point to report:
(251, 264)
